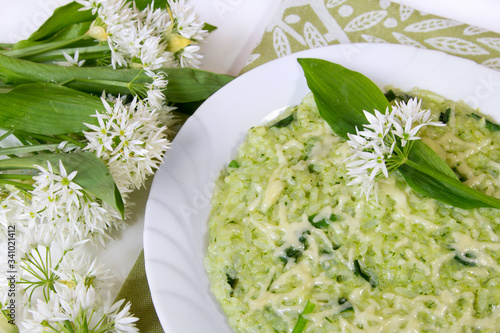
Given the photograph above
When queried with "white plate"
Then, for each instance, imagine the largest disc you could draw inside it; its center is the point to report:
(179, 202)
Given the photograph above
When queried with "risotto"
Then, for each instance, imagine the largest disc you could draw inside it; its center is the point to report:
(285, 230)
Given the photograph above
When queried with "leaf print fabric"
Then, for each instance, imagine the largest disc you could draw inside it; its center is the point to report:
(304, 24)
(431, 25)
(365, 21)
(455, 45)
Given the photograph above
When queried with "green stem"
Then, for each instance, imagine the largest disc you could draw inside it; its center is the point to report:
(71, 140)
(16, 184)
(87, 53)
(6, 134)
(110, 86)
(302, 322)
(38, 49)
(27, 149)
(455, 185)
(15, 176)
(24, 135)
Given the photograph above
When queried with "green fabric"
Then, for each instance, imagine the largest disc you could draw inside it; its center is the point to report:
(302, 24)
(135, 290)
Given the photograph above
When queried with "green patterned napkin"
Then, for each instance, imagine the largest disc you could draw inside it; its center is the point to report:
(303, 24)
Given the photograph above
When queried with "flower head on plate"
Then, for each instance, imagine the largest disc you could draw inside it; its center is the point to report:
(385, 142)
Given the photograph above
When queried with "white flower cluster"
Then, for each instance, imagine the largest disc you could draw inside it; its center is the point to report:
(130, 140)
(57, 211)
(151, 38)
(384, 143)
(66, 292)
(59, 287)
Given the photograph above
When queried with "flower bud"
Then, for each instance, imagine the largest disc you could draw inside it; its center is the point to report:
(99, 33)
(177, 42)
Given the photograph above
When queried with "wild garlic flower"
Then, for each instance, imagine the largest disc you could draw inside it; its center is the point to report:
(74, 293)
(67, 209)
(14, 206)
(188, 25)
(151, 38)
(152, 93)
(384, 143)
(71, 61)
(131, 141)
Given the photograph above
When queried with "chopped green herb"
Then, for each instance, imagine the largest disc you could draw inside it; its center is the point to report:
(303, 237)
(233, 282)
(444, 117)
(465, 259)
(283, 122)
(488, 124)
(360, 272)
(234, 164)
(292, 252)
(390, 95)
(347, 309)
(302, 322)
(324, 223)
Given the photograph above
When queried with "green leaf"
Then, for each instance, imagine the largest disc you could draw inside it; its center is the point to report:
(62, 17)
(47, 109)
(447, 189)
(69, 33)
(141, 4)
(69, 14)
(209, 27)
(92, 174)
(39, 48)
(189, 85)
(423, 154)
(184, 84)
(435, 179)
(6, 326)
(341, 94)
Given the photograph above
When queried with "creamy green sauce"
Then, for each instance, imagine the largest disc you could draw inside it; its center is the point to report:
(285, 229)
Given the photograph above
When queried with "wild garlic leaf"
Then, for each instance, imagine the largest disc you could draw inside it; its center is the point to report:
(342, 94)
(47, 109)
(446, 189)
(61, 18)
